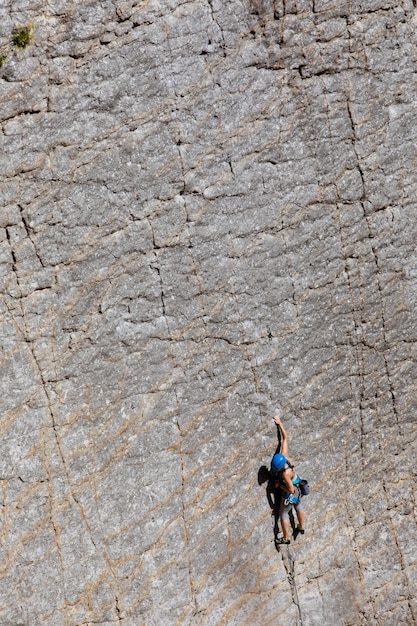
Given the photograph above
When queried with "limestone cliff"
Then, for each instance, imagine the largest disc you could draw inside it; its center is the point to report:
(208, 211)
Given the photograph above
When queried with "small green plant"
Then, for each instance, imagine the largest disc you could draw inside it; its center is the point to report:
(22, 36)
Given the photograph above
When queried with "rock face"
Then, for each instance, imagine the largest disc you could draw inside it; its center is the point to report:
(208, 212)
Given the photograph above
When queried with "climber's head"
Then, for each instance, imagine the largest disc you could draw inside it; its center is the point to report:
(278, 462)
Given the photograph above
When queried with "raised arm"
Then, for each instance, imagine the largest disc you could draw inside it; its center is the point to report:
(284, 437)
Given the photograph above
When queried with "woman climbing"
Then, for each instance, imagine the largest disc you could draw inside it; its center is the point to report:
(286, 479)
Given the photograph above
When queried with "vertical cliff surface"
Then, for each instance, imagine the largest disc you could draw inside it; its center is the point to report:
(208, 211)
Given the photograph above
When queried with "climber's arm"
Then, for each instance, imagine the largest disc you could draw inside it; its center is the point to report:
(284, 439)
(286, 476)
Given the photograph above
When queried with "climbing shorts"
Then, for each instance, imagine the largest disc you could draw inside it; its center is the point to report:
(284, 509)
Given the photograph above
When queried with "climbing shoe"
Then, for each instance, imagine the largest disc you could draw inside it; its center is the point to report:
(301, 530)
(282, 540)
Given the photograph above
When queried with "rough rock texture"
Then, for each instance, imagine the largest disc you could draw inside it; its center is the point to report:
(208, 211)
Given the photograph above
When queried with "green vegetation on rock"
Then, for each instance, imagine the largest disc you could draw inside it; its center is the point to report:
(22, 36)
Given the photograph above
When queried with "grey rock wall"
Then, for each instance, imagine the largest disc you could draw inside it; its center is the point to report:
(208, 211)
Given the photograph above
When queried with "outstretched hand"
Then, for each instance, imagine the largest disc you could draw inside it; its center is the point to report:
(277, 420)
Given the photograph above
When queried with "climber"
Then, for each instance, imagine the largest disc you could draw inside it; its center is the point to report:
(282, 470)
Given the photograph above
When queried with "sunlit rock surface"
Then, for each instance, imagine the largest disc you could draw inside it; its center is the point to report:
(208, 211)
